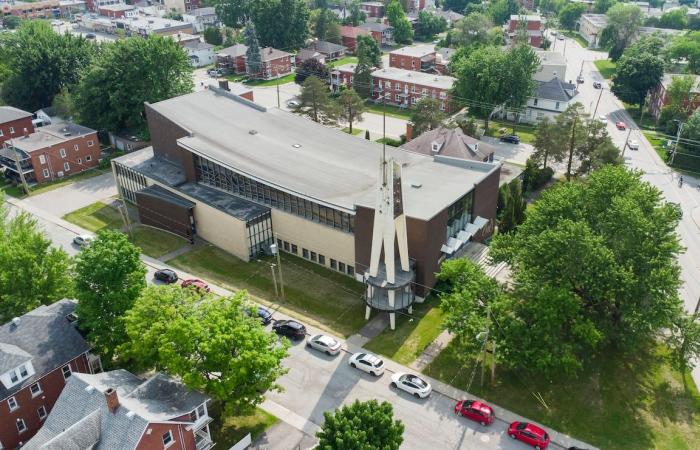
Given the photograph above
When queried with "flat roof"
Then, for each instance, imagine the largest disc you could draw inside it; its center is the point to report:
(350, 67)
(54, 134)
(547, 57)
(529, 17)
(117, 7)
(310, 160)
(415, 50)
(596, 19)
(152, 23)
(411, 76)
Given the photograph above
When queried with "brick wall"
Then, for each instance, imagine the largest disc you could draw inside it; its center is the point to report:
(81, 153)
(153, 437)
(20, 127)
(398, 87)
(485, 200)
(164, 134)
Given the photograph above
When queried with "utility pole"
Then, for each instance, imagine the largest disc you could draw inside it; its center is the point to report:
(276, 250)
(571, 149)
(274, 280)
(580, 72)
(18, 166)
(598, 102)
(626, 142)
(678, 137)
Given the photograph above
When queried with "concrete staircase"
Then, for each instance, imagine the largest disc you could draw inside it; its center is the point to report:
(479, 253)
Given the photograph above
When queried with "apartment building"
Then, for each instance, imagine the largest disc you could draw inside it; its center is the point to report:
(404, 88)
(14, 123)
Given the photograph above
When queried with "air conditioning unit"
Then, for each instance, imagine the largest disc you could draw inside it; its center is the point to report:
(60, 174)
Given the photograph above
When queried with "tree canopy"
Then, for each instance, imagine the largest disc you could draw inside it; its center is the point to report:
(570, 14)
(112, 93)
(209, 342)
(366, 425)
(635, 75)
(109, 276)
(34, 273)
(687, 46)
(233, 13)
(310, 67)
(501, 10)
(281, 24)
(403, 32)
(351, 107)
(624, 21)
(315, 101)
(428, 25)
(426, 115)
(473, 29)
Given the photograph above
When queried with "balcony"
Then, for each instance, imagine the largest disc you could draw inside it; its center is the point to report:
(203, 440)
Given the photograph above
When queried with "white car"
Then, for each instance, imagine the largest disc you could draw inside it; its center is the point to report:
(603, 119)
(83, 240)
(293, 103)
(367, 362)
(324, 343)
(633, 145)
(413, 384)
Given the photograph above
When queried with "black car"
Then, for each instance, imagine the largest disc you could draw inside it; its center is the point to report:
(261, 313)
(290, 328)
(90, 36)
(510, 138)
(597, 84)
(166, 276)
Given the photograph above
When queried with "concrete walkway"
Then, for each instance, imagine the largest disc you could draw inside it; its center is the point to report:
(432, 351)
(283, 436)
(371, 330)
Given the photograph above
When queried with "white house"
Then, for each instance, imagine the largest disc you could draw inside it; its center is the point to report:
(201, 54)
(201, 18)
(549, 100)
(552, 64)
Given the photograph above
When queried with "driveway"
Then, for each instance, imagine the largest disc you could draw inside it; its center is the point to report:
(63, 200)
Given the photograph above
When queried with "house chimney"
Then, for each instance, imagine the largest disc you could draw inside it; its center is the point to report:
(409, 131)
(223, 84)
(112, 400)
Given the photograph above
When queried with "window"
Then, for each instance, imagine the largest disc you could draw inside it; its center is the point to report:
(41, 412)
(62, 152)
(66, 372)
(66, 166)
(90, 143)
(397, 97)
(279, 244)
(351, 270)
(12, 130)
(12, 403)
(13, 377)
(442, 106)
(295, 249)
(80, 161)
(21, 426)
(321, 259)
(42, 159)
(88, 158)
(76, 148)
(1, 133)
(168, 439)
(556, 106)
(286, 246)
(45, 172)
(443, 95)
(534, 102)
(35, 389)
(23, 371)
(334, 264)
(305, 253)
(313, 256)
(341, 266)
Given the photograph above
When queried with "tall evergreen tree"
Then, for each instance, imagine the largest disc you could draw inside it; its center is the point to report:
(252, 54)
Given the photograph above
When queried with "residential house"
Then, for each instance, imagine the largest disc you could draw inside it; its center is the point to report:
(42, 9)
(201, 18)
(549, 100)
(39, 352)
(181, 6)
(450, 16)
(419, 58)
(69, 8)
(552, 64)
(308, 53)
(590, 27)
(200, 53)
(118, 410)
(95, 5)
(349, 36)
(329, 50)
(404, 88)
(118, 11)
(185, 38)
(442, 59)
(381, 32)
(659, 95)
(342, 76)
(534, 28)
(373, 9)
(275, 64)
(14, 123)
(53, 151)
(451, 142)
(232, 59)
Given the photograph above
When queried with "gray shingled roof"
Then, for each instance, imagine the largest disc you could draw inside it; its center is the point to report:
(12, 357)
(329, 47)
(452, 142)
(47, 336)
(374, 26)
(556, 90)
(234, 50)
(80, 418)
(9, 113)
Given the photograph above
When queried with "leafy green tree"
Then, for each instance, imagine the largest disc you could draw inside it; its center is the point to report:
(570, 124)
(676, 19)
(11, 22)
(41, 63)
(233, 13)
(368, 52)
(362, 80)
(315, 101)
(281, 24)
(570, 14)
(473, 29)
(173, 15)
(635, 75)
(684, 342)
(208, 342)
(513, 209)
(624, 21)
(323, 22)
(63, 104)
(596, 149)
(549, 142)
(403, 32)
(355, 15)
(501, 10)
(428, 25)
(351, 106)
(603, 253)
(311, 67)
(109, 277)
(687, 46)
(365, 425)
(523, 62)
(158, 69)
(602, 6)
(212, 35)
(691, 130)
(34, 273)
(426, 115)
(457, 5)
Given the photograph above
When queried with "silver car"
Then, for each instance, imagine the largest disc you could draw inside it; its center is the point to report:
(413, 384)
(325, 344)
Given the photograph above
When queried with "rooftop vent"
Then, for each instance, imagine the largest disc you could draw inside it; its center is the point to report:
(253, 132)
(16, 321)
(71, 317)
(89, 388)
(67, 133)
(130, 415)
(416, 185)
(296, 145)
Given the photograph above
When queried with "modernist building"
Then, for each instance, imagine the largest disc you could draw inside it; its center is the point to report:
(242, 176)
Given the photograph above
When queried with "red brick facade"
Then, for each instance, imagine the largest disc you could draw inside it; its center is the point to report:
(534, 29)
(153, 437)
(28, 406)
(81, 153)
(274, 68)
(407, 94)
(16, 128)
(373, 9)
(349, 36)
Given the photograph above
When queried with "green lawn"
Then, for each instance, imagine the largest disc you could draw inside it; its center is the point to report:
(342, 61)
(226, 431)
(605, 67)
(391, 111)
(645, 122)
(237, 77)
(657, 142)
(622, 402)
(577, 37)
(96, 217)
(327, 299)
(410, 338)
(282, 80)
(156, 243)
(16, 191)
(355, 131)
(526, 132)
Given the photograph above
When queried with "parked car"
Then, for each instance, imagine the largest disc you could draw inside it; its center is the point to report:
(529, 433)
(597, 85)
(264, 315)
(290, 328)
(603, 119)
(510, 138)
(167, 276)
(560, 37)
(325, 344)
(197, 284)
(83, 240)
(579, 79)
(367, 362)
(293, 103)
(476, 411)
(90, 36)
(413, 384)
(214, 73)
(633, 144)
(620, 125)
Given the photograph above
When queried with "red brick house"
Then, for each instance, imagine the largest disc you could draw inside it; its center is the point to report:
(42, 9)
(381, 32)
(535, 29)
(118, 11)
(349, 36)
(373, 9)
(39, 352)
(404, 88)
(275, 64)
(342, 76)
(659, 95)
(118, 410)
(419, 58)
(14, 123)
(54, 151)
(232, 59)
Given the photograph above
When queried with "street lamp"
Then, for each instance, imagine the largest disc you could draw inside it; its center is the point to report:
(275, 251)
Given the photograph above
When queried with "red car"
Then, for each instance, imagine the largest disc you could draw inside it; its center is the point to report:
(476, 411)
(529, 434)
(620, 125)
(198, 284)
